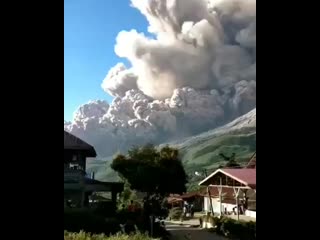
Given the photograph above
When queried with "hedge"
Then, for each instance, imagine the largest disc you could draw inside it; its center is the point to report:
(235, 229)
(87, 236)
(76, 220)
(231, 228)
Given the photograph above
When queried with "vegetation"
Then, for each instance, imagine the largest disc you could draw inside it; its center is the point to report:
(196, 156)
(230, 161)
(206, 154)
(156, 172)
(87, 236)
(232, 228)
(238, 229)
(144, 169)
(76, 220)
(102, 169)
(175, 213)
(88, 220)
(127, 196)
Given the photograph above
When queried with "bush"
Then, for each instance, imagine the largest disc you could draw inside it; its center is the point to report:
(218, 223)
(159, 230)
(87, 220)
(124, 215)
(139, 220)
(76, 220)
(235, 229)
(86, 236)
(106, 209)
(175, 213)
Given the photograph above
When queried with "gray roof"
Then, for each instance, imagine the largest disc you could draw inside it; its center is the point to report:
(71, 142)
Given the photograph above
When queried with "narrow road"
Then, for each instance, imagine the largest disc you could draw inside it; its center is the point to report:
(185, 232)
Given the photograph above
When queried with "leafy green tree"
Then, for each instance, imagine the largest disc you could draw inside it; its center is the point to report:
(153, 171)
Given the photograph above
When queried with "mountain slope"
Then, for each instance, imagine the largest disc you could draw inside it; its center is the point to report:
(202, 151)
(102, 170)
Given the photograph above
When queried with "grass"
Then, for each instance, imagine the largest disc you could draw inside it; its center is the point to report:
(201, 154)
(207, 153)
(102, 170)
(88, 236)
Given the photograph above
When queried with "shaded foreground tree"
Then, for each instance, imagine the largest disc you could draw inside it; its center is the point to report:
(153, 171)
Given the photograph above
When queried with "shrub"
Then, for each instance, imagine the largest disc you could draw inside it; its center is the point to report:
(76, 220)
(106, 209)
(124, 215)
(138, 219)
(159, 230)
(87, 236)
(235, 229)
(218, 224)
(175, 213)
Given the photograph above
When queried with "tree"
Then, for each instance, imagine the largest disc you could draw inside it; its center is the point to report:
(156, 172)
(231, 161)
(126, 196)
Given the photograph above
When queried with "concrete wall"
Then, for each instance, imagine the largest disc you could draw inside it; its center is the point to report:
(215, 205)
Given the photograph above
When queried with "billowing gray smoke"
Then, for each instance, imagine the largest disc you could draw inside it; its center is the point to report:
(197, 71)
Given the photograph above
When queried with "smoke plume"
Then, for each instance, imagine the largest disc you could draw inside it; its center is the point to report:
(197, 71)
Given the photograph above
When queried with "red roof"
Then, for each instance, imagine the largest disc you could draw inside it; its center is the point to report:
(172, 200)
(190, 195)
(245, 175)
(177, 197)
(214, 192)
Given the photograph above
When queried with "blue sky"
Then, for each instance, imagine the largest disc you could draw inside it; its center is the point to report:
(90, 30)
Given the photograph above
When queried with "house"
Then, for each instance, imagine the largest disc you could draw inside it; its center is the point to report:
(228, 201)
(229, 188)
(77, 186)
(195, 198)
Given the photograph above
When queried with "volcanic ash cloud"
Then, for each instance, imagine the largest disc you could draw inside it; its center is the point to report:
(195, 70)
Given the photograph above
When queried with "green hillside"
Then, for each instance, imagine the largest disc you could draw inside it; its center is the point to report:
(206, 154)
(102, 170)
(202, 151)
(199, 156)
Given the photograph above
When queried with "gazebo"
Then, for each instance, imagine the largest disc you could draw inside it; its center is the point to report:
(240, 180)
